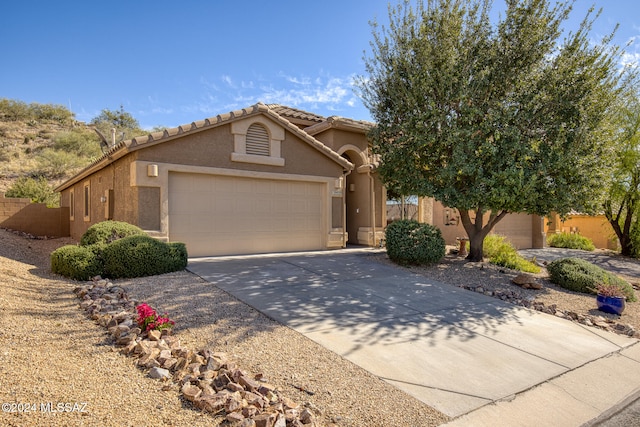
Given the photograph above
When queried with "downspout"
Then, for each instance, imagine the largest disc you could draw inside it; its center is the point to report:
(373, 205)
(344, 209)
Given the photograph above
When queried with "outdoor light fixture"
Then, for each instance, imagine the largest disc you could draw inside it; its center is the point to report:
(152, 170)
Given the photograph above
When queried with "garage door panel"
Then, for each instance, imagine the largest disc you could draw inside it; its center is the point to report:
(216, 215)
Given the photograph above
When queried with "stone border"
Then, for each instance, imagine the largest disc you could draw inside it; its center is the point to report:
(515, 298)
(207, 379)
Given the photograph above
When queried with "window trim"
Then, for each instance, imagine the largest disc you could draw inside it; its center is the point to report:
(86, 200)
(276, 133)
(72, 204)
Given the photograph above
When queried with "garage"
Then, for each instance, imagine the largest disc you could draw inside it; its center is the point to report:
(519, 228)
(223, 215)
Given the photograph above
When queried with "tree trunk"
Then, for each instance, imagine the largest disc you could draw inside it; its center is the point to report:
(477, 231)
(623, 233)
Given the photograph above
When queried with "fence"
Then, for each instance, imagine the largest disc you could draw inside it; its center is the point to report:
(33, 218)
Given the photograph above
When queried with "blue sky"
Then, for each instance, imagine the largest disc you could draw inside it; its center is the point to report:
(170, 63)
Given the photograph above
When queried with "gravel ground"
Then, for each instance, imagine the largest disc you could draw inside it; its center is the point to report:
(50, 352)
(457, 271)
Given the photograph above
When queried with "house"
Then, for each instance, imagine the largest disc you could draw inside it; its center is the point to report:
(267, 178)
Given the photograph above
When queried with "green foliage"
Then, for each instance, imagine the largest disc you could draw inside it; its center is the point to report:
(485, 117)
(579, 275)
(58, 163)
(622, 206)
(106, 232)
(635, 239)
(570, 241)
(13, 110)
(37, 190)
(410, 242)
(501, 252)
(118, 249)
(76, 262)
(138, 256)
(51, 112)
(79, 141)
(125, 124)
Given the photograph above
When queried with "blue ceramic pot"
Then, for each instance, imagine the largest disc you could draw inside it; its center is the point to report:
(613, 305)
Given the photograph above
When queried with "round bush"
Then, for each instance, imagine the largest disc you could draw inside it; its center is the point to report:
(411, 242)
(109, 231)
(138, 256)
(77, 262)
(578, 275)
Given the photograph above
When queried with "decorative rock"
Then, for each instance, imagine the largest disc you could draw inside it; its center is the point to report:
(159, 373)
(213, 404)
(248, 383)
(191, 392)
(209, 379)
(235, 417)
(154, 335)
(265, 420)
(527, 281)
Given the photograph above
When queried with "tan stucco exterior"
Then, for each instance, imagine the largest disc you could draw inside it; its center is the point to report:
(325, 164)
(522, 230)
(132, 181)
(595, 227)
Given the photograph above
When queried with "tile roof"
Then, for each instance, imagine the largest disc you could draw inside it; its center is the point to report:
(287, 112)
(277, 112)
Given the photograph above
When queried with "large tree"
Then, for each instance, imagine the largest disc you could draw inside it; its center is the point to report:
(125, 125)
(622, 205)
(491, 118)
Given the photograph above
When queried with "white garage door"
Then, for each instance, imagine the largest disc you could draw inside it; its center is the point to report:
(222, 215)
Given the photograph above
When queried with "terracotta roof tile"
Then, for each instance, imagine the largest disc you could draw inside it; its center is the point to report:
(277, 112)
(285, 111)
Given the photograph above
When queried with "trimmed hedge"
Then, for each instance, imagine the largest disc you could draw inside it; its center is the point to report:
(578, 275)
(109, 231)
(77, 262)
(138, 256)
(118, 249)
(411, 242)
(570, 241)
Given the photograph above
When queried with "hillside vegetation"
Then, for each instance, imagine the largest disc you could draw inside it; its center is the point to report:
(42, 145)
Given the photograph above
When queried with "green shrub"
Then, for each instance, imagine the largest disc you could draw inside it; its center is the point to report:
(635, 239)
(578, 275)
(37, 190)
(79, 141)
(108, 231)
(410, 242)
(58, 163)
(138, 256)
(76, 262)
(501, 252)
(570, 241)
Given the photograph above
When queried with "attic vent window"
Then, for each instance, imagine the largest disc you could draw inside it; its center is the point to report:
(257, 143)
(257, 140)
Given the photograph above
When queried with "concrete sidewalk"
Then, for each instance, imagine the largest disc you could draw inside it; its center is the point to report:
(472, 357)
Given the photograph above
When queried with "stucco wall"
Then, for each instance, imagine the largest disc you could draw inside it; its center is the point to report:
(34, 218)
(596, 228)
(213, 148)
(120, 204)
(522, 230)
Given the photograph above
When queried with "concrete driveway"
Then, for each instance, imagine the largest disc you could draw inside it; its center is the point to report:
(455, 350)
